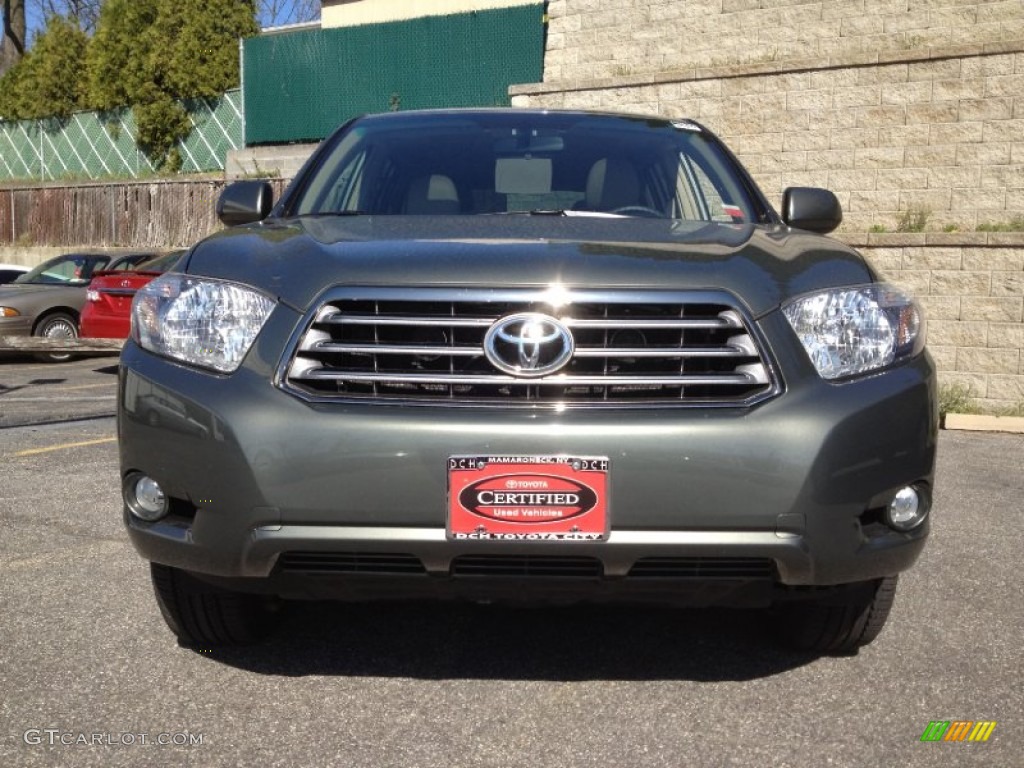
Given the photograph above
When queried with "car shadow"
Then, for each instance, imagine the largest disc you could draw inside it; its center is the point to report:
(499, 642)
(6, 390)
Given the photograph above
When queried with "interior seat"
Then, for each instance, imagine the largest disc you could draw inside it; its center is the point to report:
(433, 195)
(611, 184)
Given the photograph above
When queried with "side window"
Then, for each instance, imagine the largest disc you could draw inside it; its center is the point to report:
(345, 192)
(700, 198)
(689, 195)
(335, 183)
(64, 271)
(94, 265)
(712, 198)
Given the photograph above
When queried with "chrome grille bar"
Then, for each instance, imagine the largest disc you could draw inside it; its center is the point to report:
(547, 381)
(412, 349)
(680, 323)
(485, 322)
(412, 322)
(631, 349)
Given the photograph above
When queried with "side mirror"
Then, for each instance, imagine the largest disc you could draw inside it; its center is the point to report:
(243, 202)
(810, 208)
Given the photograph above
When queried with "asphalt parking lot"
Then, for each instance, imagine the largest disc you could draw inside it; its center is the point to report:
(85, 656)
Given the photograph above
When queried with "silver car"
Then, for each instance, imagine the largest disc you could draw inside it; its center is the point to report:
(516, 355)
(47, 301)
(10, 272)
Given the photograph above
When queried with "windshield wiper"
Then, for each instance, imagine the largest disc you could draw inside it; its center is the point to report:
(534, 212)
(559, 212)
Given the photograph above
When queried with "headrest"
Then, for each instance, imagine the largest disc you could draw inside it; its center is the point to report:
(612, 183)
(432, 195)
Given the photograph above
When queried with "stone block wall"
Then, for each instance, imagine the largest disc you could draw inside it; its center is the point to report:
(972, 289)
(911, 111)
(598, 39)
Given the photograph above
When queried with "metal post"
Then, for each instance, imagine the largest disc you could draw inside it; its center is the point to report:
(112, 240)
(241, 87)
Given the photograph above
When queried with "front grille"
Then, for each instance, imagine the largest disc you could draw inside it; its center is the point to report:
(349, 562)
(527, 565)
(702, 568)
(633, 348)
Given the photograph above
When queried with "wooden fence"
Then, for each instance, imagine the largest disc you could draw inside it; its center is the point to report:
(151, 214)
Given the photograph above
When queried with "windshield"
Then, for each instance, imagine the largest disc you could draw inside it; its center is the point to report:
(72, 269)
(455, 163)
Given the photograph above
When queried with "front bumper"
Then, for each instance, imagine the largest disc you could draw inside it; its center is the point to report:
(257, 476)
(16, 326)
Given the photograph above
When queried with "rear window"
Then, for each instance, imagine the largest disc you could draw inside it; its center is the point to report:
(160, 263)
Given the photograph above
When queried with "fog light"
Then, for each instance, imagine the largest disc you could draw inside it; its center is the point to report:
(907, 510)
(146, 498)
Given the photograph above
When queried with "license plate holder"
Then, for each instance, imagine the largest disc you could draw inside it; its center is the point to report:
(528, 498)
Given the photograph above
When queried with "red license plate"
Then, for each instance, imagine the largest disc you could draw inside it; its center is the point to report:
(528, 498)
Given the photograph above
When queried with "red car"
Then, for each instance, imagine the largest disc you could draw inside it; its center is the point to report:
(108, 305)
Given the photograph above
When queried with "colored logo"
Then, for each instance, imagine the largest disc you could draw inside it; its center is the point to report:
(528, 345)
(528, 499)
(958, 730)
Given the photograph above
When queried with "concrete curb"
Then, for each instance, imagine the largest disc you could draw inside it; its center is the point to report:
(25, 344)
(979, 423)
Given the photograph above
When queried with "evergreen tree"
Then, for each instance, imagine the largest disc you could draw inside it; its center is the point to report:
(149, 54)
(118, 52)
(49, 80)
(145, 54)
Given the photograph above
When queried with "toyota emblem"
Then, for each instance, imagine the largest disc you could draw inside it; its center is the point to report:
(528, 345)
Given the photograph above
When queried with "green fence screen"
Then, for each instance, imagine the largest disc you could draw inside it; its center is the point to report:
(91, 145)
(300, 86)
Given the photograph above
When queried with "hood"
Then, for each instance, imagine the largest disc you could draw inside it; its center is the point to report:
(297, 259)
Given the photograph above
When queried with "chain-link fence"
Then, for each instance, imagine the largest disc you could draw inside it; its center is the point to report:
(96, 145)
(300, 86)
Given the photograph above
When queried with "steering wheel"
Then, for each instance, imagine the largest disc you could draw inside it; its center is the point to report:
(638, 210)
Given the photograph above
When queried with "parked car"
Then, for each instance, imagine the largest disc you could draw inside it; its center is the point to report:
(9, 272)
(107, 310)
(532, 356)
(47, 300)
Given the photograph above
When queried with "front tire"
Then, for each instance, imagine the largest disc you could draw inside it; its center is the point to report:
(202, 615)
(837, 626)
(56, 326)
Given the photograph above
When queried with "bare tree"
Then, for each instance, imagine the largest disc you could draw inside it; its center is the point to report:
(269, 12)
(83, 12)
(12, 42)
(273, 13)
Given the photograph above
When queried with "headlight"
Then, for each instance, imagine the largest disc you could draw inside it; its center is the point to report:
(9, 312)
(198, 320)
(849, 331)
